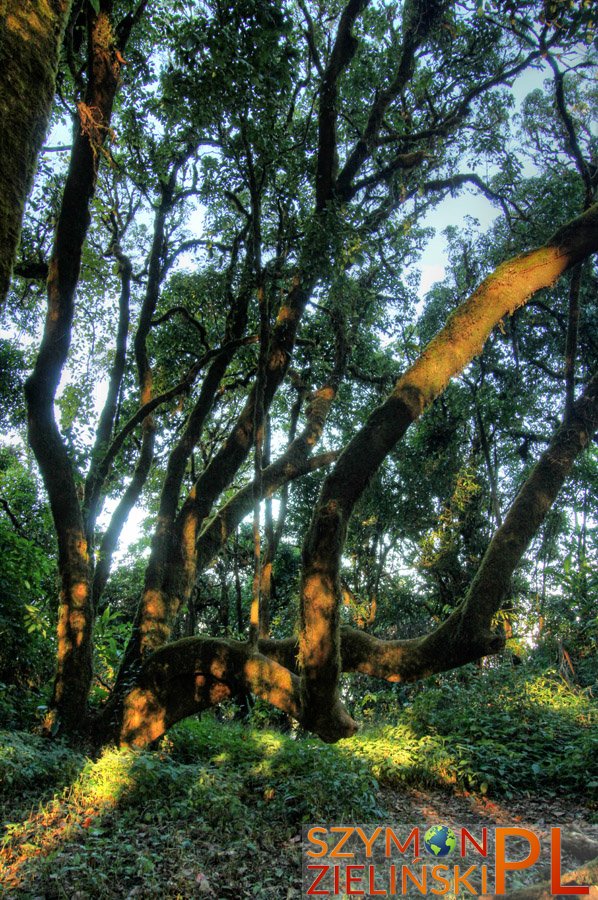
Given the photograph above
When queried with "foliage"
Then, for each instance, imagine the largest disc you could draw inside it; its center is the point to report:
(27, 639)
(217, 800)
(29, 762)
(505, 730)
(111, 634)
(225, 802)
(27, 585)
(210, 261)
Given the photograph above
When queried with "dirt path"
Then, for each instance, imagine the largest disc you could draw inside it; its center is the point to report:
(435, 805)
(579, 836)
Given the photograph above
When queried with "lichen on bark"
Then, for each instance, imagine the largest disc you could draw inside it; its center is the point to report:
(30, 39)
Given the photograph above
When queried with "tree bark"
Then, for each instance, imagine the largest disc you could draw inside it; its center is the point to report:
(461, 339)
(30, 40)
(184, 677)
(174, 580)
(188, 676)
(93, 482)
(75, 618)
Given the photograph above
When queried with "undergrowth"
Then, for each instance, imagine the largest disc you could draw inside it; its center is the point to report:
(217, 804)
(501, 732)
(217, 808)
(510, 732)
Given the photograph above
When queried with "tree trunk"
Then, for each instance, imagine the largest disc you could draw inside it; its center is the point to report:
(75, 618)
(462, 338)
(190, 675)
(30, 40)
(187, 676)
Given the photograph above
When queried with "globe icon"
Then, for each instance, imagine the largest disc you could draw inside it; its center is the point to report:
(440, 840)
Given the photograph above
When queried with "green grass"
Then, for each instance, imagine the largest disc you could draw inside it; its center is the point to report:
(222, 804)
(508, 731)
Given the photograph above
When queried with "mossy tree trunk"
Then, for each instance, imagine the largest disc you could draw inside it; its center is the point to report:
(75, 618)
(30, 38)
(461, 339)
(301, 677)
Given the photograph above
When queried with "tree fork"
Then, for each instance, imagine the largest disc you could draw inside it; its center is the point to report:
(345, 649)
(195, 673)
(462, 338)
(160, 606)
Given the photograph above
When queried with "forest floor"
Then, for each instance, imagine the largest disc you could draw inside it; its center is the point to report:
(219, 809)
(149, 827)
(538, 813)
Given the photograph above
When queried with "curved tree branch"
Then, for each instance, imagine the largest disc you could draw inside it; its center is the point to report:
(193, 674)
(343, 50)
(445, 356)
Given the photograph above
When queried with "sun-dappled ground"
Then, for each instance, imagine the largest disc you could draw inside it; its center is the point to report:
(217, 808)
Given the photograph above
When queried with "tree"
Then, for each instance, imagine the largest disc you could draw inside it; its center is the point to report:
(30, 44)
(312, 139)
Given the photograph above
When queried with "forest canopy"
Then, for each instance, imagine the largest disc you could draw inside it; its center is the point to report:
(214, 328)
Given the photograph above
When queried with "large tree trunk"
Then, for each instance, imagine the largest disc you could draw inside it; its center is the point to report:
(189, 675)
(30, 40)
(193, 674)
(461, 339)
(75, 618)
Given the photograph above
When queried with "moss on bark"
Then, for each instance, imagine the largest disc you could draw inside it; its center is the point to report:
(30, 39)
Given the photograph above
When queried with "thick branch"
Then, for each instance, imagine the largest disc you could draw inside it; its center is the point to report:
(226, 462)
(184, 312)
(196, 673)
(170, 547)
(280, 473)
(529, 509)
(29, 49)
(120, 515)
(193, 674)
(466, 634)
(76, 613)
(13, 518)
(37, 271)
(419, 18)
(572, 143)
(447, 354)
(344, 48)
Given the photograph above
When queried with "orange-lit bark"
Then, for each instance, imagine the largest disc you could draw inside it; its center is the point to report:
(446, 355)
(172, 570)
(188, 676)
(155, 615)
(194, 673)
(467, 634)
(172, 564)
(74, 655)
